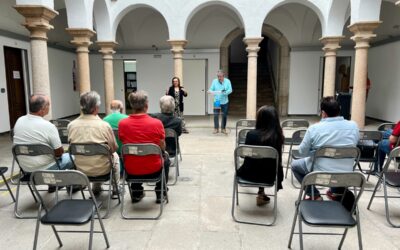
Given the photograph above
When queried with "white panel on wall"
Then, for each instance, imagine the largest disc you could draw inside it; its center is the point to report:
(194, 72)
(383, 70)
(303, 82)
(119, 80)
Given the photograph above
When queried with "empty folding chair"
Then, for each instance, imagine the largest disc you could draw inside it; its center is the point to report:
(95, 150)
(66, 212)
(141, 150)
(60, 123)
(385, 126)
(31, 151)
(172, 146)
(391, 178)
(297, 138)
(2, 171)
(291, 125)
(330, 214)
(241, 138)
(368, 145)
(257, 152)
(244, 123)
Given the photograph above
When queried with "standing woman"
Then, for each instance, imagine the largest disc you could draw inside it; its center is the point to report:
(178, 92)
(268, 132)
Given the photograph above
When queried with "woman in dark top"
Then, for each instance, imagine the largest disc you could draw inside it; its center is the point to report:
(268, 132)
(178, 92)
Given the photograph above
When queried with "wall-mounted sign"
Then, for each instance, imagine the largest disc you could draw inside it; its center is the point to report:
(16, 74)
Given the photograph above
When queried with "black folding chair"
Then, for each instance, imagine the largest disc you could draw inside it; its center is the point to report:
(172, 146)
(294, 154)
(388, 177)
(368, 145)
(331, 214)
(141, 150)
(60, 123)
(2, 171)
(77, 150)
(258, 152)
(244, 123)
(66, 212)
(241, 138)
(29, 151)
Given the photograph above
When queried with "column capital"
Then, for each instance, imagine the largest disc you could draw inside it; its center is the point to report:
(331, 44)
(177, 45)
(81, 37)
(37, 19)
(107, 48)
(363, 33)
(252, 45)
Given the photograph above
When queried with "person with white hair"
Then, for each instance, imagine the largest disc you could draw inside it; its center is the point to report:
(221, 87)
(89, 128)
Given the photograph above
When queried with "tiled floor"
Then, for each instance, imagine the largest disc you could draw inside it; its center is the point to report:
(198, 215)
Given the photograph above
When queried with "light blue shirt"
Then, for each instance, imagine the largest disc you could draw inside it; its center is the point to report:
(331, 131)
(217, 86)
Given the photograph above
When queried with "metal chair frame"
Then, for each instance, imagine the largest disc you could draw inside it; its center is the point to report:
(65, 178)
(142, 149)
(29, 150)
(375, 137)
(394, 176)
(60, 123)
(254, 152)
(93, 149)
(293, 124)
(244, 123)
(2, 171)
(170, 133)
(297, 138)
(385, 126)
(329, 179)
(241, 138)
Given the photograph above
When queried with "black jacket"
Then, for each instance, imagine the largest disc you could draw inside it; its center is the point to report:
(171, 92)
(169, 121)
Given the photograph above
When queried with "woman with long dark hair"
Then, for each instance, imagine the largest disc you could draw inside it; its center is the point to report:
(178, 92)
(268, 132)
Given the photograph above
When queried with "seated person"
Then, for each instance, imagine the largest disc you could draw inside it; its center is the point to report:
(268, 132)
(167, 106)
(89, 128)
(34, 129)
(332, 130)
(139, 127)
(390, 138)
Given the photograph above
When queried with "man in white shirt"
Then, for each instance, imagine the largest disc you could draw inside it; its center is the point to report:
(34, 129)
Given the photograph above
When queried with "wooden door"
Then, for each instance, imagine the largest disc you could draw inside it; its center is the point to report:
(15, 84)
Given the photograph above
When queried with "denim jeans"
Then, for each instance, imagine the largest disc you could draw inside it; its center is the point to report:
(64, 162)
(300, 170)
(224, 110)
(383, 150)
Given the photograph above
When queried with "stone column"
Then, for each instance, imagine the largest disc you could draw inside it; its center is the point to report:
(177, 51)
(252, 50)
(107, 49)
(37, 21)
(81, 39)
(362, 35)
(331, 45)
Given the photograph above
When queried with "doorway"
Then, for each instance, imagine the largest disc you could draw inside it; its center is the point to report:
(15, 83)
(194, 72)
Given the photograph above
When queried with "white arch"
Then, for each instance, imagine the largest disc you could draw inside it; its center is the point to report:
(337, 18)
(196, 9)
(122, 8)
(80, 13)
(102, 20)
(365, 10)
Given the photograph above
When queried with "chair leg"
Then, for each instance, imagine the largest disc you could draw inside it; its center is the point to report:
(293, 224)
(234, 195)
(376, 188)
(360, 246)
(8, 187)
(387, 205)
(343, 237)
(288, 163)
(37, 229)
(91, 232)
(104, 231)
(57, 236)
(300, 233)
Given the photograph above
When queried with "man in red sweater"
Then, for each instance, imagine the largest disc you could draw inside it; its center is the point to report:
(139, 127)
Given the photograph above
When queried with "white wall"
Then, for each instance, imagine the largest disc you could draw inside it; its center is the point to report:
(303, 82)
(383, 70)
(4, 41)
(64, 100)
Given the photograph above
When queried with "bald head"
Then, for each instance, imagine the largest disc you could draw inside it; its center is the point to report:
(39, 104)
(116, 106)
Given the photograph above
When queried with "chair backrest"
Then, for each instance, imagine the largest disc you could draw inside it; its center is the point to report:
(60, 123)
(63, 133)
(244, 123)
(115, 131)
(385, 126)
(336, 153)
(256, 152)
(366, 135)
(90, 149)
(298, 136)
(171, 140)
(59, 178)
(295, 123)
(241, 138)
(32, 150)
(141, 149)
(393, 156)
(12, 135)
